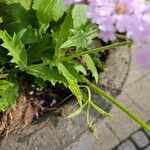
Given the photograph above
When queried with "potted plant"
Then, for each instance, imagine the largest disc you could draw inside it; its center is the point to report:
(48, 46)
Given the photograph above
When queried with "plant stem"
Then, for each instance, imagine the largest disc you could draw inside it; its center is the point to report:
(95, 50)
(116, 103)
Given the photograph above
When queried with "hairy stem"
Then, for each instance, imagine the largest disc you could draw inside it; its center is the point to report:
(95, 50)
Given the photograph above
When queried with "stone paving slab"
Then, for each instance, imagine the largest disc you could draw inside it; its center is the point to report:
(133, 76)
(140, 139)
(127, 145)
(137, 89)
(139, 93)
(107, 140)
(123, 126)
(137, 140)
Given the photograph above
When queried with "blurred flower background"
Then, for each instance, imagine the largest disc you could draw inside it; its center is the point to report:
(130, 17)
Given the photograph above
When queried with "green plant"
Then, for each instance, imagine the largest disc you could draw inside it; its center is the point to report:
(46, 39)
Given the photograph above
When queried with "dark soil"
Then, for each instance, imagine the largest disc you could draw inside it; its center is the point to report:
(32, 104)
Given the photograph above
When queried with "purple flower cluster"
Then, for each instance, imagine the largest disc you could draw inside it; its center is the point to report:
(73, 1)
(131, 17)
(125, 16)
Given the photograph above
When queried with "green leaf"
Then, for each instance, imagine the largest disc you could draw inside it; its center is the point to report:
(80, 38)
(12, 94)
(63, 34)
(75, 68)
(8, 94)
(79, 15)
(73, 85)
(91, 66)
(47, 73)
(48, 10)
(99, 63)
(15, 18)
(26, 3)
(16, 49)
(36, 49)
(78, 66)
(101, 111)
(4, 85)
(3, 104)
(28, 35)
(76, 112)
(9, 1)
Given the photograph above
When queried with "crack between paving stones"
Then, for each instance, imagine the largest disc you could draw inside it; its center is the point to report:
(114, 133)
(134, 102)
(77, 137)
(139, 79)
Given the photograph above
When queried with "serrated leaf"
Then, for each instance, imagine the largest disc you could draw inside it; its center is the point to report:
(79, 67)
(70, 67)
(91, 66)
(72, 82)
(16, 49)
(80, 38)
(3, 104)
(47, 73)
(48, 10)
(15, 18)
(79, 15)
(75, 67)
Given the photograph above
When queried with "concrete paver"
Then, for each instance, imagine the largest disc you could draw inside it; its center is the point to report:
(127, 145)
(140, 139)
(107, 140)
